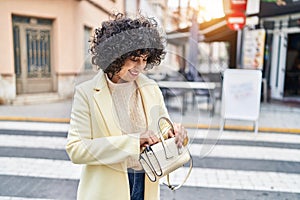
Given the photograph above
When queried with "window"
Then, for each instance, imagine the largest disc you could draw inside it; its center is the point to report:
(87, 56)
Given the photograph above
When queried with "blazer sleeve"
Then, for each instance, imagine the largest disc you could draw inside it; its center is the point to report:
(83, 149)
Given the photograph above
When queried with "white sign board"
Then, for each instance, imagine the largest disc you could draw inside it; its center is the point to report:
(241, 95)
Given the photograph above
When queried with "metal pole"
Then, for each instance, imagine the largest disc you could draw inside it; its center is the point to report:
(238, 49)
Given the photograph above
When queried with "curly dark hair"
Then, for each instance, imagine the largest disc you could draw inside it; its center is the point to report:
(122, 37)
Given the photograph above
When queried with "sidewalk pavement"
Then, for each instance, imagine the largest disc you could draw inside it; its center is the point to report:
(274, 117)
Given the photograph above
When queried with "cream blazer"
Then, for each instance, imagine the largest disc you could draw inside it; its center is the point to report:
(96, 141)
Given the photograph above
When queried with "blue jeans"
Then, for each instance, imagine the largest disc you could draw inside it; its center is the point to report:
(137, 184)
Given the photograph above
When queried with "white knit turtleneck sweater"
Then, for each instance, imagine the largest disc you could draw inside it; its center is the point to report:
(130, 112)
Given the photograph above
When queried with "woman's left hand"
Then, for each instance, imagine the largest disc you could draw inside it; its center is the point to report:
(181, 137)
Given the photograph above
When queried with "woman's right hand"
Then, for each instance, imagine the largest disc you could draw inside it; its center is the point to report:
(148, 138)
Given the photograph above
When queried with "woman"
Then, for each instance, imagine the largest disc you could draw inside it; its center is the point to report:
(114, 115)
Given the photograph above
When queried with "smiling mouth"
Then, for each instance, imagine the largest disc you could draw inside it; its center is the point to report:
(134, 73)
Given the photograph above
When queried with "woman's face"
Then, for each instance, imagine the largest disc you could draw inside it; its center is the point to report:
(131, 69)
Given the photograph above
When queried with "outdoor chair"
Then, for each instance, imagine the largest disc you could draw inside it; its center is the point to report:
(201, 93)
(210, 96)
(176, 94)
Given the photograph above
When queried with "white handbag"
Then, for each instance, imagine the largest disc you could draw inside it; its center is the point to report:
(162, 158)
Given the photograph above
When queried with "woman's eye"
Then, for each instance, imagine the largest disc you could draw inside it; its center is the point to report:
(134, 59)
(137, 59)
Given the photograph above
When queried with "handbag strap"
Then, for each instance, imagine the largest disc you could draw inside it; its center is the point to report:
(161, 130)
(173, 187)
(149, 149)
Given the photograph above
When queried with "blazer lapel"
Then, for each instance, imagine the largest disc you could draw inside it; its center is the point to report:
(104, 102)
(148, 98)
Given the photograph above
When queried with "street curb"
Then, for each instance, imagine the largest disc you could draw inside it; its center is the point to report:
(186, 125)
(35, 119)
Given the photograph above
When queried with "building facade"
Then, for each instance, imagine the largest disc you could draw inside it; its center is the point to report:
(44, 44)
(281, 21)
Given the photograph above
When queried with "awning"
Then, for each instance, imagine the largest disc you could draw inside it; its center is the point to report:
(215, 30)
(269, 9)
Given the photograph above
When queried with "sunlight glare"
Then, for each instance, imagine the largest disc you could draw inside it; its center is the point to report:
(208, 9)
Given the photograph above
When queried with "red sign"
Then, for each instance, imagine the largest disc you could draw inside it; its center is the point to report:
(240, 5)
(236, 20)
(234, 5)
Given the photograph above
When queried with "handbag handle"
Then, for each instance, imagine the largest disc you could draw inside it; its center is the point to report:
(173, 187)
(161, 129)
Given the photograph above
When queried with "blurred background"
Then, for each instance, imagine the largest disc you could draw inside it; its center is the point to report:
(44, 55)
(44, 44)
